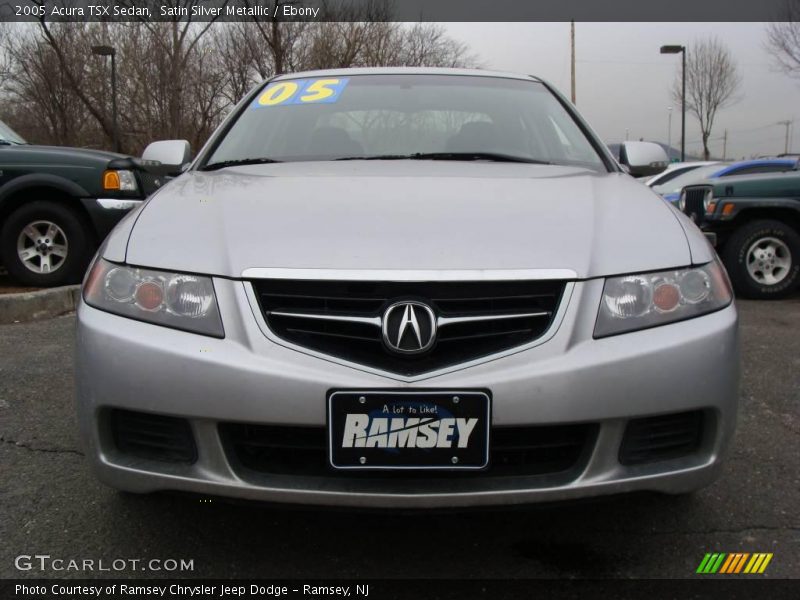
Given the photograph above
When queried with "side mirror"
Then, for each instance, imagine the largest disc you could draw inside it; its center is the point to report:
(643, 158)
(168, 152)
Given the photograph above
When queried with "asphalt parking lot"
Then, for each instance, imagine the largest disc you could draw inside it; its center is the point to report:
(50, 504)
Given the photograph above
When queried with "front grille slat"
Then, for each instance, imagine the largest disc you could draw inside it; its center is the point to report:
(475, 336)
(499, 303)
(330, 334)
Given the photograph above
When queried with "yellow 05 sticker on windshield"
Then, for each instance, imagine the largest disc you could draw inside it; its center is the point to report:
(301, 91)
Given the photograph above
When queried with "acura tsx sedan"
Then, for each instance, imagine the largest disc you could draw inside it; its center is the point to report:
(406, 288)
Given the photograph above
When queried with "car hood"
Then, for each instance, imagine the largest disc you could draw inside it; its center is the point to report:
(769, 185)
(418, 215)
(63, 155)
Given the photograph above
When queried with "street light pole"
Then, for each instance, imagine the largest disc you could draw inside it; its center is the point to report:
(114, 100)
(111, 51)
(682, 51)
(669, 132)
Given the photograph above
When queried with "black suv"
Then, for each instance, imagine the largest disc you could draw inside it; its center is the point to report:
(57, 204)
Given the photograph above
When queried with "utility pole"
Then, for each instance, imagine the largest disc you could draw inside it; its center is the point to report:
(572, 46)
(725, 145)
(787, 123)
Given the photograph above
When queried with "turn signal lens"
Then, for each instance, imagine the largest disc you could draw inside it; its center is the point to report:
(666, 297)
(111, 180)
(176, 300)
(635, 302)
(149, 295)
(122, 181)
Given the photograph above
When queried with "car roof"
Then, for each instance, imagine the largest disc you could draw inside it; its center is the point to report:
(756, 162)
(689, 163)
(777, 175)
(405, 71)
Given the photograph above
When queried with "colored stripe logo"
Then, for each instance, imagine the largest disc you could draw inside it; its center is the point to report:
(734, 563)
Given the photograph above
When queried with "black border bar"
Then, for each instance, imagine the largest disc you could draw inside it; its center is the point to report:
(400, 10)
(730, 588)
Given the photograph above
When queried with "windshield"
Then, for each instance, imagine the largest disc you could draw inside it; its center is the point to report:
(9, 135)
(681, 181)
(445, 117)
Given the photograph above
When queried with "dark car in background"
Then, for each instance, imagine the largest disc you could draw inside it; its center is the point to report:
(57, 204)
(754, 221)
(670, 189)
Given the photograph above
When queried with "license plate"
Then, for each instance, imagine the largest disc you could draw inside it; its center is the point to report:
(409, 430)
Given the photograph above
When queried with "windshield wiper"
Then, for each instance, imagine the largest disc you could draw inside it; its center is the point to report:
(492, 156)
(238, 162)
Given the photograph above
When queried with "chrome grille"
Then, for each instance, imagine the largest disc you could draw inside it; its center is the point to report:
(344, 318)
(694, 202)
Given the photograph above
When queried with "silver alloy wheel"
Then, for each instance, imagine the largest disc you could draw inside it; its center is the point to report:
(42, 247)
(769, 261)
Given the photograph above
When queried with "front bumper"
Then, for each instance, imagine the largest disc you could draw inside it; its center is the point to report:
(248, 378)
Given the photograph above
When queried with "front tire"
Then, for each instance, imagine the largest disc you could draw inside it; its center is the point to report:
(45, 244)
(763, 259)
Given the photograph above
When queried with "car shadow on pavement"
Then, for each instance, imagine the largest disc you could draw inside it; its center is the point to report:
(592, 538)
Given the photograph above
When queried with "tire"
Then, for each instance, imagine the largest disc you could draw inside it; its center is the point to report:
(45, 244)
(763, 260)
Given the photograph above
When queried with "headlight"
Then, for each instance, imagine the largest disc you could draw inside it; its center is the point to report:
(174, 300)
(636, 302)
(121, 181)
(682, 201)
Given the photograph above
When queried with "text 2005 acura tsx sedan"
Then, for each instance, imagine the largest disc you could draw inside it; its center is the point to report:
(406, 288)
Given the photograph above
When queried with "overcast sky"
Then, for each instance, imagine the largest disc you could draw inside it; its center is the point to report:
(624, 83)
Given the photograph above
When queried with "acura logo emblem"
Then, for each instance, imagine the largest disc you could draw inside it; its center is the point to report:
(409, 327)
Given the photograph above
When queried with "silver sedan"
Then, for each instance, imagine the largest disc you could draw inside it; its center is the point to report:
(407, 288)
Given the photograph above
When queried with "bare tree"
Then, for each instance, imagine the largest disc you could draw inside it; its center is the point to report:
(39, 98)
(177, 78)
(783, 39)
(712, 80)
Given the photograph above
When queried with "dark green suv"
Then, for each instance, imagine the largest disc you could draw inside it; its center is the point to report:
(57, 204)
(754, 221)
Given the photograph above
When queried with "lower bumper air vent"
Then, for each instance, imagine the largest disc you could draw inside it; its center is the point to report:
(153, 437)
(661, 438)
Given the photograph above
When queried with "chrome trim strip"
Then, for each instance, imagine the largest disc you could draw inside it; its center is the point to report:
(118, 203)
(368, 320)
(409, 274)
(376, 321)
(443, 321)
